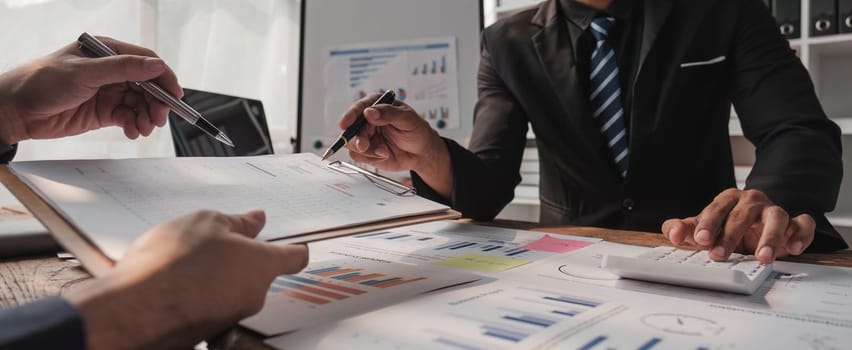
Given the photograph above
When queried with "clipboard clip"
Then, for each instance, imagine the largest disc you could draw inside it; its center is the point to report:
(380, 181)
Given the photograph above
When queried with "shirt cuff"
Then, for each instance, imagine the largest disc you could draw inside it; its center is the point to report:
(50, 323)
(7, 152)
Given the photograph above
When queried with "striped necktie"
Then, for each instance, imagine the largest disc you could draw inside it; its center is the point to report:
(606, 94)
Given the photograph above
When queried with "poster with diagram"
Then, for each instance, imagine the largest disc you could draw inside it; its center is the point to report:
(422, 72)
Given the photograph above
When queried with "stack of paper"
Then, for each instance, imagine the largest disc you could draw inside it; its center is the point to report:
(113, 201)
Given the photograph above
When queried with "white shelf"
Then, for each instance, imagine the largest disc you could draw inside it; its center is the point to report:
(524, 201)
(840, 219)
(836, 43)
(845, 124)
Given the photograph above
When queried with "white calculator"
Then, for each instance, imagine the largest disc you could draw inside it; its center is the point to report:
(692, 268)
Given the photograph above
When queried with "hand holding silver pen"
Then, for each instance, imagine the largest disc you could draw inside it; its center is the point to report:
(96, 47)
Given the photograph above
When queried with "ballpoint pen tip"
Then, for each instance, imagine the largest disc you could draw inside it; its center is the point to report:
(225, 139)
(328, 153)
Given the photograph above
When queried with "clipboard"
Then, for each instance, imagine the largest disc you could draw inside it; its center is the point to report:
(97, 263)
(63, 231)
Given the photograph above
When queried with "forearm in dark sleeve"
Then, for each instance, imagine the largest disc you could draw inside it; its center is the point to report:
(7, 152)
(50, 323)
(480, 189)
(485, 176)
(798, 151)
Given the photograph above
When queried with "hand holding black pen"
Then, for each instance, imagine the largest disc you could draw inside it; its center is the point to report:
(387, 98)
(95, 47)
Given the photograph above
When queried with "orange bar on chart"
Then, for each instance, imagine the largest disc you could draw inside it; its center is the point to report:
(338, 272)
(305, 297)
(340, 288)
(323, 292)
(397, 282)
(363, 278)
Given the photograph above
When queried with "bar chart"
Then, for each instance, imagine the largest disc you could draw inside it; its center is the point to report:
(423, 72)
(334, 289)
(509, 317)
(601, 342)
(358, 276)
(455, 245)
(327, 284)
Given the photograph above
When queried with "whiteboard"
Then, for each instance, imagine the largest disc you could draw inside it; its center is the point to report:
(334, 24)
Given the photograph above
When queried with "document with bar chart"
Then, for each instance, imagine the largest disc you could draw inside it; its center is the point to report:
(461, 246)
(497, 315)
(422, 72)
(332, 290)
(513, 315)
(113, 201)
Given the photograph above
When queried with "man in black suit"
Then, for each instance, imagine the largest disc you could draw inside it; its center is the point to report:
(630, 102)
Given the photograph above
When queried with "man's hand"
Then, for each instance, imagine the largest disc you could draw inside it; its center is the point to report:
(67, 93)
(395, 138)
(183, 281)
(744, 221)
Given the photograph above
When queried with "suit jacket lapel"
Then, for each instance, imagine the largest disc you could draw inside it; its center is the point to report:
(645, 87)
(647, 91)
(656, 14)
(553, 44)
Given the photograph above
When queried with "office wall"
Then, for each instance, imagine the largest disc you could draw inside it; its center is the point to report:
(240, 47)
(247, 48)
(34, 28)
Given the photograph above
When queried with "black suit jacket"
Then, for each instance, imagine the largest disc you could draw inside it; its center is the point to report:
(680, 148)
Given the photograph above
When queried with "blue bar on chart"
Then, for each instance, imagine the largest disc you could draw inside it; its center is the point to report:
(569, 313)
(457, 344)
(365, 235)
(516, 251)
(573, 300)
(505, 334)
(650, 344)
(398, 236)
(592, 343)
(348, 275)
(372, 282)
(463, 245)
(532, 320)
(327, 269)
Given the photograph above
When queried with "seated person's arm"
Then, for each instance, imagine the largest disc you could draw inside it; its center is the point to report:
(66, 93)
(797, 173)
(478, 182)
(180, 282)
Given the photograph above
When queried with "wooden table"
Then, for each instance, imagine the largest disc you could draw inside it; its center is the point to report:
(28, 279)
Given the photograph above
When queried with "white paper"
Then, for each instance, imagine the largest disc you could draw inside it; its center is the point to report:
(433, 242)
(114, 201)
(507, 314)
(800, 306)
(819, 294)
(332, 290)
(422, 72)
(408, 252)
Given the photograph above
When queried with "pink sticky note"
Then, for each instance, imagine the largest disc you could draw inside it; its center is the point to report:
(556, 245)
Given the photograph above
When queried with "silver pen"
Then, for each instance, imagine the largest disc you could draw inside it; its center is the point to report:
(180, 108)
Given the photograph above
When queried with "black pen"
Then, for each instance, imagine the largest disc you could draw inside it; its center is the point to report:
(386, 98)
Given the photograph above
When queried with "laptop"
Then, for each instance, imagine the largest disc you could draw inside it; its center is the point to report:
(242, 119)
